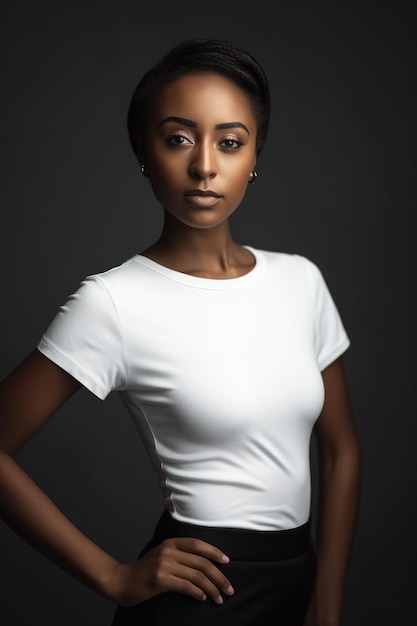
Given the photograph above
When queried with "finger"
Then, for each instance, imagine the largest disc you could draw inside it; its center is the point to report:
(198, 546)
(212, 583)
(193, 583)
(201, 571)
(206, 568)
(174, 550)
(177, 584)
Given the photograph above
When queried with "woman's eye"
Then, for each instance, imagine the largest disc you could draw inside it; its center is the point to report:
(178, 140)
(231, 144)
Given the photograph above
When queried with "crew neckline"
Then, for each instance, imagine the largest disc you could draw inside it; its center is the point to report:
(205, 283)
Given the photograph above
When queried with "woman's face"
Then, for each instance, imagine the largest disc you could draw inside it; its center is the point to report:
(200, 148)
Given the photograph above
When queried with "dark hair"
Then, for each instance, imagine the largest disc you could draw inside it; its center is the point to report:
(202, 55)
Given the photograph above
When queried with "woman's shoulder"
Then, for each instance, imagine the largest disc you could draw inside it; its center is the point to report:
(284, 260)
(124, 273)
(293, 269)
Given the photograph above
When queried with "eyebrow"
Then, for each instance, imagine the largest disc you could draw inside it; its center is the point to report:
(191, 124)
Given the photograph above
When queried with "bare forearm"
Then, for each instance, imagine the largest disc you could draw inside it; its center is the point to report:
(29, 511)
(337, 517)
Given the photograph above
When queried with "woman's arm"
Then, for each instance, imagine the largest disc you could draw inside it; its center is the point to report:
(29, 396)
(339, 491)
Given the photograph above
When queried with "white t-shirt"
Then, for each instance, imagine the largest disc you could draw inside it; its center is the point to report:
(221, 377)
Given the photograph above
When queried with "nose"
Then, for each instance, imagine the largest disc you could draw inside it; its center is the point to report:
(203, 164)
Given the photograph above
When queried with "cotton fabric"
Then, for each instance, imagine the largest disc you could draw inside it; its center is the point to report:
(221, 377)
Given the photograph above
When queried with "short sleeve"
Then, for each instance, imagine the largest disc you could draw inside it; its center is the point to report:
(330, 337)
(85, 339)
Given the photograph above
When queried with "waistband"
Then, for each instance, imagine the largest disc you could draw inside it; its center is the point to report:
(241, 544)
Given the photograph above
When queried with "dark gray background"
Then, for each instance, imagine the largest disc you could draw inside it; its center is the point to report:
(334, 184)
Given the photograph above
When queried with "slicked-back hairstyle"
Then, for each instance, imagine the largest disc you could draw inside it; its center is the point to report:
(198, 56)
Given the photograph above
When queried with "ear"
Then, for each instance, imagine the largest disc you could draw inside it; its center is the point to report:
(141, 154)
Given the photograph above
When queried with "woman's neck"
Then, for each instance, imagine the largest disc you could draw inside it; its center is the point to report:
(207, 253)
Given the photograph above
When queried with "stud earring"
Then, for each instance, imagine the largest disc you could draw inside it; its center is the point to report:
(144, 171)
(252, 177)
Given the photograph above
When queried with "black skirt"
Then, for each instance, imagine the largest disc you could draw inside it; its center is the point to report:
(272, 573)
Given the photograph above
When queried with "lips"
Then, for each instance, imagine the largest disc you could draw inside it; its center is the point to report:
(202, 198)
(202, 192)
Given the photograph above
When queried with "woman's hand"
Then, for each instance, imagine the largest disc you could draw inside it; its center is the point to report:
(182, 565)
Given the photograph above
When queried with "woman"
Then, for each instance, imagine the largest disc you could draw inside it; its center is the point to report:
(225, 356)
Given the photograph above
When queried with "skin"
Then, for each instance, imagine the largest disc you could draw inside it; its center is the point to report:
(198, 155)
(183, 159)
